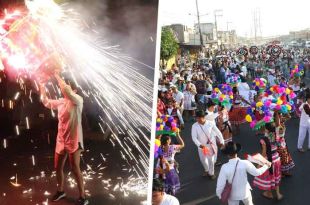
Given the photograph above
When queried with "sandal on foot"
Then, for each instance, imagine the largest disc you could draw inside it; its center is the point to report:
(267, 197)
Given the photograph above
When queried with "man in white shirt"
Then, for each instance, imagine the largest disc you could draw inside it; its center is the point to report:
(179, 98)
(159, 197)
(241, 189)
(211, 115)
(271, 78)
(205, 135)
(244, 70)
(304, 125)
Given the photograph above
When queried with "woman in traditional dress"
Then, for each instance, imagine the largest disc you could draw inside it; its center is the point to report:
(237, 112)
(270, 180)
(287, 163)
(172, 181)
(223, 123)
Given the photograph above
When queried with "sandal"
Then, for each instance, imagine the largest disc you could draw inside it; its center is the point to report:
(266, 196)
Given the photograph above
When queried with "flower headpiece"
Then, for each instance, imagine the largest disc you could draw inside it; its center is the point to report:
(222, 94)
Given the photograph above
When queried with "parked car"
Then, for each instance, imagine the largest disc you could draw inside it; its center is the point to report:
(293, 44)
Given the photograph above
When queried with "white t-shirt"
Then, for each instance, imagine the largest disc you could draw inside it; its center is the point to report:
(243, 87)
(271, 80)
(295, 87)
(178, 97)
(169, 200)
(304, 118)
(244, 70)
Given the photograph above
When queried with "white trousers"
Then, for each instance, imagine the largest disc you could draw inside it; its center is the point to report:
(247, 201)
(207, 162)
(302, 136)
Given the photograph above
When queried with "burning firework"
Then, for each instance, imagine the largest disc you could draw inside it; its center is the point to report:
(50, 37)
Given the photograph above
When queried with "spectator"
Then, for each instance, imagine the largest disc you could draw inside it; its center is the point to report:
(159, 197)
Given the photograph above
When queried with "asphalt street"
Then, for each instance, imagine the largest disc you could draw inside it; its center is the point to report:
(199, 190)
(108, 177)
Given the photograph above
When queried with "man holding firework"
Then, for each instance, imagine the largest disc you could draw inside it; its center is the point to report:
(70, 135)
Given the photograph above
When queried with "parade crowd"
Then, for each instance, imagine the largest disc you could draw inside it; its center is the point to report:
(216, 94)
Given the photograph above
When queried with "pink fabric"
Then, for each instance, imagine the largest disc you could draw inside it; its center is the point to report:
(69, 121)
(268, 181)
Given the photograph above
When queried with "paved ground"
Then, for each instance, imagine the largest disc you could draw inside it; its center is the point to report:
(198, 190)
(107, 175)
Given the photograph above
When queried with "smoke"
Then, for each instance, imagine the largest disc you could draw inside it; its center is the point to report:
(130, 24)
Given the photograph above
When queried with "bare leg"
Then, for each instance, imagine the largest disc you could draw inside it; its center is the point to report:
(75, 166)
(279, 195)
(60, 161)
(268, 194)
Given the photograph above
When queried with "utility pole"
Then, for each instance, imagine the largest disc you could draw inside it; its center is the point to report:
(216, 14)
(257, 24)
(227, 24)
(199, 27)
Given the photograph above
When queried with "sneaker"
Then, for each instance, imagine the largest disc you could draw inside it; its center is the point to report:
(59, 195)
(82, 201)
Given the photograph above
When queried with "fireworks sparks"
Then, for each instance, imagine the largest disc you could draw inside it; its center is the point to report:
(5, 145)
(17, 130)
(45, 202)
(106, 76)
(27, 191)
(108, 79)
(27, 123)
(11, 105)
(15, 184)
(33, 160)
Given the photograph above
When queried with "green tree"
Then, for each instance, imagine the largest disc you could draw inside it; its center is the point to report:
(169, 45)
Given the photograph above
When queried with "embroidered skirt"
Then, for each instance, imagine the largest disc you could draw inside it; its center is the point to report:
(237, 115)
(172, 182)
(287, 162)
(268, 181)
